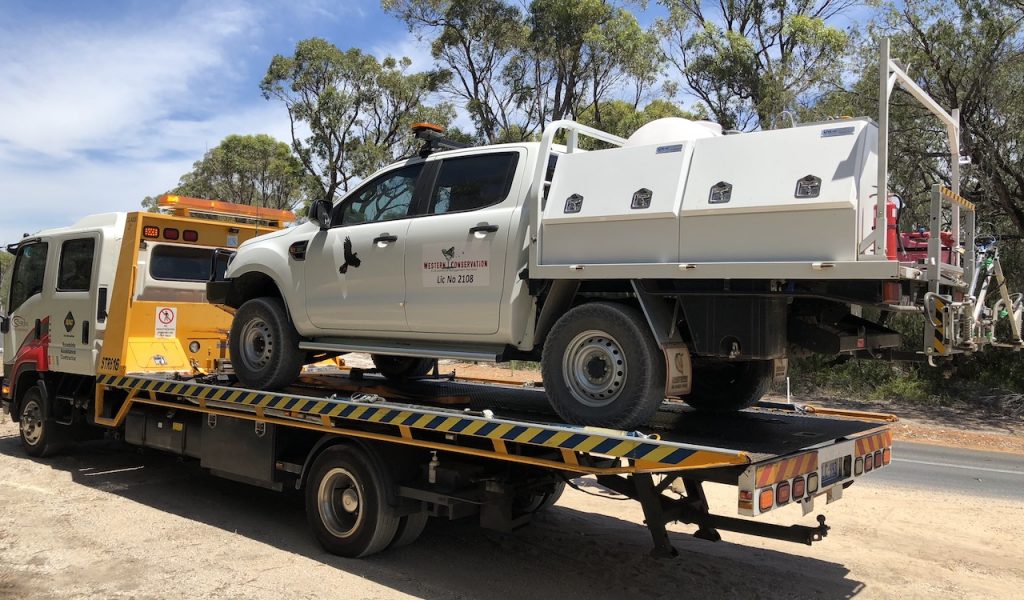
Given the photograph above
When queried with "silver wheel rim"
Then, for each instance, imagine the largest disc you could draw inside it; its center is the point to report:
(340, 500)
(594, 367)
(32, 423)
(257, 341)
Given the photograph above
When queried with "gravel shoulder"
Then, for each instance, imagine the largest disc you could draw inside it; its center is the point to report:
(109, 522)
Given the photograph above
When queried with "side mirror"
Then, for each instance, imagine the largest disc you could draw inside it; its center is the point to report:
(320, 213)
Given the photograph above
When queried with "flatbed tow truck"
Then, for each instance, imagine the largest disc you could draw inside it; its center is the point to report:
(375, 459)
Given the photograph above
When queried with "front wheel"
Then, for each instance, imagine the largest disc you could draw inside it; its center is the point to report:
(727, 386)
(39, 436)
(601, 366)
(264, 345)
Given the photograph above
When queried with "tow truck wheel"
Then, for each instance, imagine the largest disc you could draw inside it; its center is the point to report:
(409, 529)
(264, 345)
(402, 367)
(346, 503)
(727, 386)
(39, 436)
(601, 366)
(540, 502)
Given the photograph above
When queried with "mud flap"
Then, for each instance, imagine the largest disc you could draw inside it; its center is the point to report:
(678, 370)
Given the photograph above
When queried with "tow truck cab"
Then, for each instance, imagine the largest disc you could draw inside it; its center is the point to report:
(62, 287)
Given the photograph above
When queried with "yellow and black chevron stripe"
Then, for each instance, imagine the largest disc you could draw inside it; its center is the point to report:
(561, 437)
(953, 197)
(939, 335)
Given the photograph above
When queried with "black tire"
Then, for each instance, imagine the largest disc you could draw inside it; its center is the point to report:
(402, 367)
(728, 386)
(346, 503)
(264, 345)
(409, 529)
(540, 502)
(40, 436)
(602, 367)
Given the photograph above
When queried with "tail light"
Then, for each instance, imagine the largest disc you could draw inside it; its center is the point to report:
(799, 487)
(869, 463)
(812, 483)
(150, 231)
(766, 499)
(886, 456)
(782, 493)
(878, 459)
(170, 233)
(858, 466)
(190, 235)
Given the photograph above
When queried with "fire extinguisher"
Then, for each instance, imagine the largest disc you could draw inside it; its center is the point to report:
(891, 228)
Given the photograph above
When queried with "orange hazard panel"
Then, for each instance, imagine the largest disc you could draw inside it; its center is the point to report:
(787, 469)
(871, 443)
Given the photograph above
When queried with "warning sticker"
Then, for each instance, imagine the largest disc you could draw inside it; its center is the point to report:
(166, 322)
(456, 265)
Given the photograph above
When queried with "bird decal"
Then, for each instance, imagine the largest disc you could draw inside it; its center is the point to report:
(449, 254)
(351, 258)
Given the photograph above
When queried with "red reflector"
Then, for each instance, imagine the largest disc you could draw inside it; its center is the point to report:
(766, 499)
(170, 233)
(782, 493)
(869, 463)
(190, 235)
(886, 456)
(891, 292)
(878, 459)
(798, 488)
(151, 232)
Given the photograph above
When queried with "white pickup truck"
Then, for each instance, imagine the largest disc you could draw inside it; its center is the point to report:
(682, 262)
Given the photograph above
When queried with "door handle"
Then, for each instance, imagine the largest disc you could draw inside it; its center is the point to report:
(486, 228)
(385, 239)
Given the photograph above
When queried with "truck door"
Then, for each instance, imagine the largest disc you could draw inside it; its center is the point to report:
(355, 271)
(73, 344)
(28, 335)
(455, 265)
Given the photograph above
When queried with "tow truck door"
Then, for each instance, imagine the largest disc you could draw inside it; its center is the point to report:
(73, 344)
(28, 326)
(457, 251)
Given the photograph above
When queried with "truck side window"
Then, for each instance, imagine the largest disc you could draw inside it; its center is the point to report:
(27, 279)
(386, 199)
(184, 263)
(75, 272)
(473, 182)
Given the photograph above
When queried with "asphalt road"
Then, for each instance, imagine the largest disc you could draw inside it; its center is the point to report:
(994, 474)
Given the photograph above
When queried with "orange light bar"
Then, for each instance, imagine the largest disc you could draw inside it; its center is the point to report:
(225, 208)
(429, 126)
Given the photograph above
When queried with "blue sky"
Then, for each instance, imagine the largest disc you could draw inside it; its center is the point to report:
(105, 102)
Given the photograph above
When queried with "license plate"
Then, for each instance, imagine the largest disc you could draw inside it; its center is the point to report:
(831, 472)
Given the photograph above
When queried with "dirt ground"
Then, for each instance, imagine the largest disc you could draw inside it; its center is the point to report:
(109, 522)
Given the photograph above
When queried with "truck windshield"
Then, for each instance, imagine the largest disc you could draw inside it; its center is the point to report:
(27, 279)
(184, 263)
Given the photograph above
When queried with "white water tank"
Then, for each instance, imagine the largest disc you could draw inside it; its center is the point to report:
(673, 129)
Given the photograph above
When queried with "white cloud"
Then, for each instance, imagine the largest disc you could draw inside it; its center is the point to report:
(96, 116)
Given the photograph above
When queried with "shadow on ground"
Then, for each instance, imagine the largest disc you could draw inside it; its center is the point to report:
(565, 553)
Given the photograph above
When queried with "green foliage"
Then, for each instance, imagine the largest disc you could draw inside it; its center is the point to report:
(622, 118)
(750, 60)
(350, 113)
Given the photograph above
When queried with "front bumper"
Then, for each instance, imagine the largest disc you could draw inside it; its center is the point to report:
(217, 292)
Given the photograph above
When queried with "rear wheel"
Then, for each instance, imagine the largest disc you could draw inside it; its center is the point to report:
(39, 436)
(726, 386)
(264, 345)
(540, 502)
(601, 366)
(346, 503)
(409, 529)
(402, 367)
